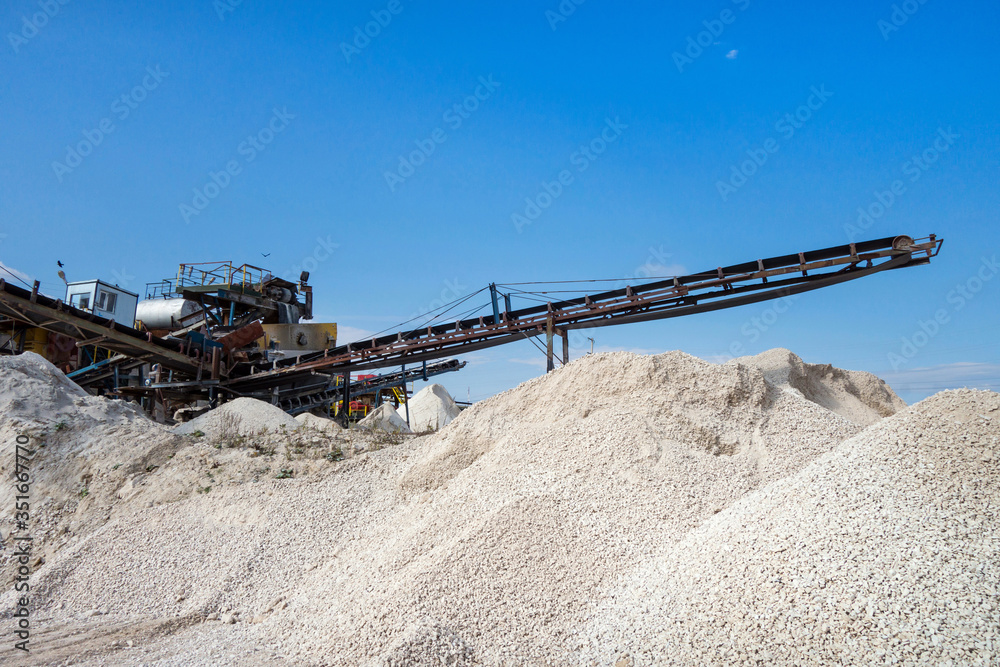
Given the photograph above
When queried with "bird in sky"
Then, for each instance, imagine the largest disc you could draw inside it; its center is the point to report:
(60, 263)
(266, 254)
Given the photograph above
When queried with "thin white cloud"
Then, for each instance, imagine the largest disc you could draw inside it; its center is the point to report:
(7, 272)
(976, 375)
(346, 334)
(539, 362)
(732, 54)
(668, 270)
(394, 319)
(716, 358)
(476, 359)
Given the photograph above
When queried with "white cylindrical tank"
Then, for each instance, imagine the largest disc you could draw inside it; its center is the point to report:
(165, 313)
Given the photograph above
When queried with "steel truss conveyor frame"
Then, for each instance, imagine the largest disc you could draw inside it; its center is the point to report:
(330, 390)
(37, 310)
(724, 287)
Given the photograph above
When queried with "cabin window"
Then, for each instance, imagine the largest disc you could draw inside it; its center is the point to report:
(107, 301)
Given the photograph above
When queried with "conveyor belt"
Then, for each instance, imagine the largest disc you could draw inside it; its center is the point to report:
(724, 287)
(295, 379)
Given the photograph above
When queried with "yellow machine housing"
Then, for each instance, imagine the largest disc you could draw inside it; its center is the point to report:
(293, 339)
(36, 340)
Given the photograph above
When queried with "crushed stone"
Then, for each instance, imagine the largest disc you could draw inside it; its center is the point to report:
(431, 409)
(240, 417)
(384, 418)
(557, 523)
(309, 420)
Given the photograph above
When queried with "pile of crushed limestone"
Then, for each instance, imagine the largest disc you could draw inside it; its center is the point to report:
(623, 510)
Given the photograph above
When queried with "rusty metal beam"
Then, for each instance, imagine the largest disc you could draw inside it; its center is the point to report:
(17, 303)
(720, 288)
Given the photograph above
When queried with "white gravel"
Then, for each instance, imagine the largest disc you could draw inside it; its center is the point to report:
(384, 418)
(621, 510)
(431, 409)
(855, 395)
(242, 416)
(308, 420)
(883, 552)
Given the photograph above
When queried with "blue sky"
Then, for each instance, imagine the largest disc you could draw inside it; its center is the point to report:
(217, 131)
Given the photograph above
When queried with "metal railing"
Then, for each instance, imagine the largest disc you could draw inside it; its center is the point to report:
(163, 289)
(244, 278)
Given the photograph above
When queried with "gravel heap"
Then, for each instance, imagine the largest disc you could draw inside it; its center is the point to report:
(431, 409)
(622, 510)
(34, 391)
(856, 395)
(87, 450)
(308, 420)
(384, 418)
(240, 417)
(884, 551)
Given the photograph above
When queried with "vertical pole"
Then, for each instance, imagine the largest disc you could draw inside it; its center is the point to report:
(216, 362)
(549, 363)
(406, 402)
(496, 306)
(346, 395)
(565, 337)
(506, 305)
